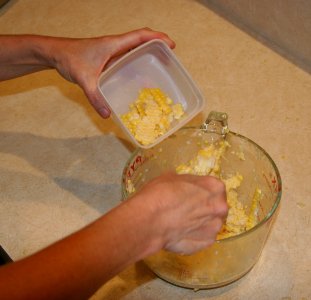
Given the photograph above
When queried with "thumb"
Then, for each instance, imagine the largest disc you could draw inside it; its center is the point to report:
(97, 101)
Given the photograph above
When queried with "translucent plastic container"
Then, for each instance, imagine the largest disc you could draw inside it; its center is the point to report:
(151, 65)
(228, 259)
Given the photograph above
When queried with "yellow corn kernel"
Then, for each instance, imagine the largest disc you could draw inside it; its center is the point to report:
(151, 115)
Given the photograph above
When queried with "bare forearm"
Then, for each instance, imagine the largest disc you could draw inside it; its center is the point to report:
(78, 60)
(24, 54)
(77, 266)
(179, 213)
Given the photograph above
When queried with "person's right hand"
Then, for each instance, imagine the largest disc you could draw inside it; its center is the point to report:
(179, 213)
(189, 211)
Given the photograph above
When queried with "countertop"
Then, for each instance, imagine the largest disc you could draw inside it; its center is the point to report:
(61, 164)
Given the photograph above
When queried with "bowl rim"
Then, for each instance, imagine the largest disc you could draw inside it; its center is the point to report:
(267, 217)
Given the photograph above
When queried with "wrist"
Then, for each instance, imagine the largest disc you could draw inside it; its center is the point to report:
(149, 230)
(44, 50)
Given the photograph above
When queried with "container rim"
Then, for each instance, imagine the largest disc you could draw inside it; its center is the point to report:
(257, 226)
(153, 47)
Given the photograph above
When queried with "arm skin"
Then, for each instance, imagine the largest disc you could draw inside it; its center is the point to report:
(179, 213)
(80, 61)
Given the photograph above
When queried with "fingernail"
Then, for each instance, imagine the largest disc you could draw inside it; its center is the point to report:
(104, 112)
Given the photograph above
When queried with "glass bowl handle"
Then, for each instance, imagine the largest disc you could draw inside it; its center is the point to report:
(216, 122)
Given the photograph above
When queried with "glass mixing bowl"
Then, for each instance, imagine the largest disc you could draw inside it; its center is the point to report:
(228, 259)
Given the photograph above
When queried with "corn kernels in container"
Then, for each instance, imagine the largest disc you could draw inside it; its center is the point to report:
(151, 115)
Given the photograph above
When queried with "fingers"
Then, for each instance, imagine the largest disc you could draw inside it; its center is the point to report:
(83, 60)
(210, 183)
(214, 191)
(190, 246)
(132, 39)
(97, 101)
(194, 213)
(118, 45)
(200, 236)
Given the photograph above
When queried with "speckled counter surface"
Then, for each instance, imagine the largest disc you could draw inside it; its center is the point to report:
(61, 164)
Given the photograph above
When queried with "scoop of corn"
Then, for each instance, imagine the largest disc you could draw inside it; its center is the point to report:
(208, 162)
(151, 115)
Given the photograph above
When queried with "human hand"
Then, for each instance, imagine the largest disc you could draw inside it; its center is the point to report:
(189, 211)
(82, 60)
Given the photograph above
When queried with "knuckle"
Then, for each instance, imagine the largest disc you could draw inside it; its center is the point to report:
(209, 242)
(214, 184)
(218, 225)
(220, 185)
(222, 208)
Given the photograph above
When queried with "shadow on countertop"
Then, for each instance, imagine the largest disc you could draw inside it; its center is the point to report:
(4, 257)
(3, 2)
(283, 26)
(90, 168)
(5, 5)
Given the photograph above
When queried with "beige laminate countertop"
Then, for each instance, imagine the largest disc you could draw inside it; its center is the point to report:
(61, 164)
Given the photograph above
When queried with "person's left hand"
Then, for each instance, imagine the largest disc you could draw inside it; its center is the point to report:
(82, 60)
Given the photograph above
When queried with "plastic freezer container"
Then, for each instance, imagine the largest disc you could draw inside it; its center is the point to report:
(151, 65)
